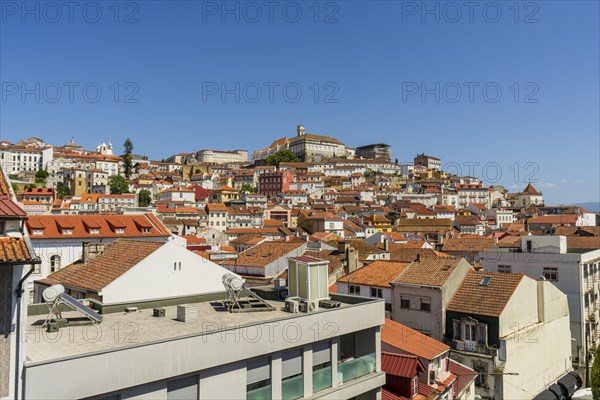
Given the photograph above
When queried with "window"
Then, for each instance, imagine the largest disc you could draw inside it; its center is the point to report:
(120, 230)
(321, 366)
(481, 370)
(258, 379)
(353, 289)
(183, 389)
(415, 386)
(551, 273)
(377, 292)
(404, 302)
(36, 269)
(67, 231)
(292, 382)
(504, 268)
(55, 263)
(425, 304)
(2, 227)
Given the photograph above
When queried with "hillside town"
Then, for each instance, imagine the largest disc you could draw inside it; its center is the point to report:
(309, 268)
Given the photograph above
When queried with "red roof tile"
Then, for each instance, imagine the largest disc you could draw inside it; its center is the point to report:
(14, 250)
(411, 341)
(401, 365)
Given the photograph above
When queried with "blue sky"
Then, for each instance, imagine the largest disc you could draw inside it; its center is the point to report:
(505, 88)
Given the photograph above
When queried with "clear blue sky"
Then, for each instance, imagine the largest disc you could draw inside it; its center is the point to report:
(371, 58)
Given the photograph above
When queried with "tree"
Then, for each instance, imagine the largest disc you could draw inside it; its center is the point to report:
(282, 156)
(127, 157)
(595, 375)
(41, 176)
(248, 188)
(144, 198)
(118, 185)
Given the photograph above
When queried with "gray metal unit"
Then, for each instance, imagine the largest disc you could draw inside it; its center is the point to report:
(88, 312)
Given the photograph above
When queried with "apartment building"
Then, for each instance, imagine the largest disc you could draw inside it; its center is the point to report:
(574, 273)
(512, 330)
(323, 353)
(17, 261)
(28, 156)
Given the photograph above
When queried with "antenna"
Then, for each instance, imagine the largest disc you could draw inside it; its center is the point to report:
(55, 296)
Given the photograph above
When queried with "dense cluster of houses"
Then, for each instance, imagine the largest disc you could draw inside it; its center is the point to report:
(483, 292)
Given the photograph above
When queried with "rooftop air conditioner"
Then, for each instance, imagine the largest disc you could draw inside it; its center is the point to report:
(292, 305)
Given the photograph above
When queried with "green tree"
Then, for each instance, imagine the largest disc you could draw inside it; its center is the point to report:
(248, 188)
(144, 198)
(41, 176)
(61, 192)
(282, 156)
(128, 157)
(595, 375)
(118, 185)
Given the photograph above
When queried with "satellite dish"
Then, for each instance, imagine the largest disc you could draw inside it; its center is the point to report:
(53, 292)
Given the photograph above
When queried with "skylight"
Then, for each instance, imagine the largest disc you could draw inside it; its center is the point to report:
(485, 281)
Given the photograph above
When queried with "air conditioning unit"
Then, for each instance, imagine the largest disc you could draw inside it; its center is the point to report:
(309, 306)
(292, 305)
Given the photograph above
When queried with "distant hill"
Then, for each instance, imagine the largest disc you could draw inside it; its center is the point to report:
(593, 206)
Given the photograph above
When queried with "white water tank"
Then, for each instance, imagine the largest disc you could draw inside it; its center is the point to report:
(50, 294)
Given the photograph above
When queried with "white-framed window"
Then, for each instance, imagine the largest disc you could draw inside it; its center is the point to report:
(377, 292)
(55, 263)
(353, 289)
(415, 386)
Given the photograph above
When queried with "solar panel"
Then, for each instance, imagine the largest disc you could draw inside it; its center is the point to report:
(88, 312)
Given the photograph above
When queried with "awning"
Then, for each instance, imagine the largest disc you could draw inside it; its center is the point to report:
(570, 382)
(546, 395)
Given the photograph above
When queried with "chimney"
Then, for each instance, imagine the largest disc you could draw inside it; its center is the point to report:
(91, 251)
(386, 245)
(418, 258)
(343, 246)
(351, 260)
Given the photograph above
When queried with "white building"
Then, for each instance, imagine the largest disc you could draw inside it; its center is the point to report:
(222, 157)
(25, 157)
(210, 353)
(575, 274)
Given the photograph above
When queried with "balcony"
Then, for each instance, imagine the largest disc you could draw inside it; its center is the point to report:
(262, 393)
(292, 388)
(321, 379)
(355, 368)
(471, 347)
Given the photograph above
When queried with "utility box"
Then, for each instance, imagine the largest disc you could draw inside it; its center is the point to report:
(159, 312)
(308, 278)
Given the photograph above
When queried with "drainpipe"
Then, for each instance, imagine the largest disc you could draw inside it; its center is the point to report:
(19, 292)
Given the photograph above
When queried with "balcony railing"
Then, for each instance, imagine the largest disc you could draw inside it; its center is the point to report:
(355, 368)
(263, 393)
(471, 347)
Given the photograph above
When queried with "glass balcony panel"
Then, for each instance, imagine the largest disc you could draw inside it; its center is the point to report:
(262, 393)
(292, 388)
(355, 368)
(321, 379)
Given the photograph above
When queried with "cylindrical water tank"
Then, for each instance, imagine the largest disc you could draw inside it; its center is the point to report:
(50, 294)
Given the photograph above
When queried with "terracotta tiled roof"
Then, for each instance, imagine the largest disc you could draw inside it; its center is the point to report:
(265, 253)
(410, 341)
(216, 207)
(474, 298)
(133, 225)
(554, 219)
(401, 365)
(104, 269)
(468, 244)
(378, 273)
(429, 271)
(583, 242)
(4, 185)
(464, 375)
(14, 250)
(9, 208)
(529, 189)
